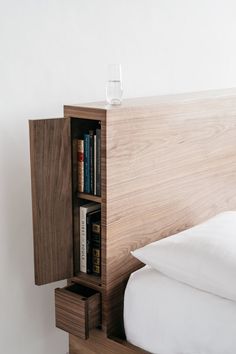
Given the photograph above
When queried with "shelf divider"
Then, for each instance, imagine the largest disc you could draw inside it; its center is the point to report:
(86, 196)
(89, 280)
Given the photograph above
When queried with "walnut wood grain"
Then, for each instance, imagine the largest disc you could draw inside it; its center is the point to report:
(98, 343)
(89, 280)
(77, 312)
(168, 163)
(170, 166)
(89, 113)
(71, 313)
(50, 150)
(90, 197)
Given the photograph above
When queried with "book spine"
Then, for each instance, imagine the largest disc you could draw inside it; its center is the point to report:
(95, 164)
(83, 250)
(75, 164)
(86, 163)
(89, 262)
(96, 249)
(98, 161)
(91, 159)
(80, 159)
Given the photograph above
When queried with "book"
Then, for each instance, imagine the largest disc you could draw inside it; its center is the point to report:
(84, 210)
(98, 161)
(80, 159)
(95, 164)
(96, 247)
(87, 184)
(91, 160)
(91, 217)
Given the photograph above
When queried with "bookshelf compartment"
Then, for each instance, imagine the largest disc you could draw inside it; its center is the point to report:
(86, 146)
(77, 309)
(89, 274)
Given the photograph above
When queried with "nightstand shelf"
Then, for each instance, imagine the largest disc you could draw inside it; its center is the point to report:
(91, 280)
(90, 197)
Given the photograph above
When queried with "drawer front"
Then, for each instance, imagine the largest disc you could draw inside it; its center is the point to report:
(76, 313)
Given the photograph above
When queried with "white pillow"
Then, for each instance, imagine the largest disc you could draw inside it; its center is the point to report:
(203, 256)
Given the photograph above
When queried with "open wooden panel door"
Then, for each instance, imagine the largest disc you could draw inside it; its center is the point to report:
(50, 152)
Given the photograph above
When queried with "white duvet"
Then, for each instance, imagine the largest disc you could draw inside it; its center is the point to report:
(164, 316)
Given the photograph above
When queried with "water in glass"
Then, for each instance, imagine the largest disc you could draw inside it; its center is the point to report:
(114, 88)
(114, 92)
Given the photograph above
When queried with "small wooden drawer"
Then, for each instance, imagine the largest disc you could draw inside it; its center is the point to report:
(77, 309)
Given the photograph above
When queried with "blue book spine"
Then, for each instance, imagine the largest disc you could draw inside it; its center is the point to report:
(87, 163)
(98, 162)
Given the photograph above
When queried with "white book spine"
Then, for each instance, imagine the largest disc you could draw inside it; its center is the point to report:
(83, 250)
(84, 210)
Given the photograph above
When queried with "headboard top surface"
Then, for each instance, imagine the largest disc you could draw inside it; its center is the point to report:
(138, 102)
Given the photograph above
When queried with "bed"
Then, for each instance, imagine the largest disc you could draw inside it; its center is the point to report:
(170, 164)
(164, 316)
(184, 299)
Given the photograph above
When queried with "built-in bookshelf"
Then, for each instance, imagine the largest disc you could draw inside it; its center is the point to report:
(139, 201)
(86, 172)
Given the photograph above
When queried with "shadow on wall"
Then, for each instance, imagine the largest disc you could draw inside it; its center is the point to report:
(27, 310)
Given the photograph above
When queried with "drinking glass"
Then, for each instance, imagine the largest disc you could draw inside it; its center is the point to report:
(114, 89)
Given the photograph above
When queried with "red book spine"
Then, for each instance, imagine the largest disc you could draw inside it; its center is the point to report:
(80, 158)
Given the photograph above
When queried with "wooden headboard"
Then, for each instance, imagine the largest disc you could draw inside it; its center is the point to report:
(170, 163)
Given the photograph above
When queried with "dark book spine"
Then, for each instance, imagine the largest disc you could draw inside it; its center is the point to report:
(96, 248)
(89, 245)
(98, 161)
(86, 163)
(80, 159)
(91, 158)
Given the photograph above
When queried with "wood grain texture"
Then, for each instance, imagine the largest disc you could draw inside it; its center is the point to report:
(75, 206)
(76, 313)
(89, 280)
(98, 343)
(90, 197)
(168, 163)
(169, 166)
(104, 221)
(99, 110)
(50, 151)
(71, 313)
(89, 113)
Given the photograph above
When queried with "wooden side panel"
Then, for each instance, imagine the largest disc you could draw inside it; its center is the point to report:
(169, 166)
(94, 311)
(50, 151)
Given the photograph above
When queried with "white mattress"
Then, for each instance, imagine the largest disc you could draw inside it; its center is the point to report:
(164, 316)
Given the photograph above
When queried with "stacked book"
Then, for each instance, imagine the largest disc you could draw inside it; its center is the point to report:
(89, 163)
(90, 238)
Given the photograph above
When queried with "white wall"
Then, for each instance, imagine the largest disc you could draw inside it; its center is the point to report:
(56, 51)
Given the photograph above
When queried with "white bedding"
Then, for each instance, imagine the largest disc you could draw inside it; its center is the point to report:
(203, 256)
(164, 316)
